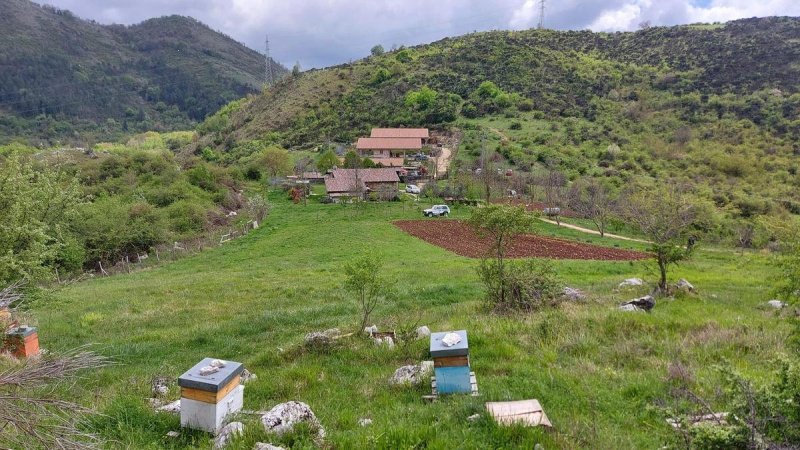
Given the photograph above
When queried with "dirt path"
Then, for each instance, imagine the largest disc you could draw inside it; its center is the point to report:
(443, 161)
(590, 231)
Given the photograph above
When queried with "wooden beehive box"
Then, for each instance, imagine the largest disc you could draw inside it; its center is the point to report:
(451, 364)
(22, 341)
(207, 399)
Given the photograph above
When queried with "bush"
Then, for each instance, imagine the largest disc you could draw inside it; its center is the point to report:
(717, 437)
(524, 285)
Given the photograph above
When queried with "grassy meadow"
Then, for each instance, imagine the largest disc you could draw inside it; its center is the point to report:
(599, 373)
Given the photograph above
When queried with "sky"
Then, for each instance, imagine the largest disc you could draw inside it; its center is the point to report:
(319, 33)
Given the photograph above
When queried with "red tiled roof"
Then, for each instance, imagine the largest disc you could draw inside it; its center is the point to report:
(388, 162)
(344, 180)
(389, 144)
(421, 133)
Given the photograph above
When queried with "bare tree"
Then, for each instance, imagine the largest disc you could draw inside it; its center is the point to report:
(665, 216)
(592, 200)
(553, 184)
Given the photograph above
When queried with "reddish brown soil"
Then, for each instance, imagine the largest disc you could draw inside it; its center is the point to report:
(459, 238)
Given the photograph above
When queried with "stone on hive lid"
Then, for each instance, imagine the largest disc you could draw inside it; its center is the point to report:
(211, 382)
(23, 331)
(439, 349)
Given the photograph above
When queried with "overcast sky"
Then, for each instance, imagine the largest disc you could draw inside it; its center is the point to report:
(319, 33)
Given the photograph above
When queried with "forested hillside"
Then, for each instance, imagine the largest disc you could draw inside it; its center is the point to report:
(714, 107)
(64, 78)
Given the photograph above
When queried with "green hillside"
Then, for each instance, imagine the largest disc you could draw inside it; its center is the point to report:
(716, 107)
(64, 78)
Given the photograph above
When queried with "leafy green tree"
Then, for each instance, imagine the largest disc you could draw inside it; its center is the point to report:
(787, 260)
(665, 216)
(327, 160)
(296, 70)
(377, 50)
(352, 160)
(499, 223)
(36, 206)
(275, 161)
(421, 99)
(363, 278)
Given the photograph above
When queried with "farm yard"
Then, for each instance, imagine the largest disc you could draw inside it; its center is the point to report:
(603, 376)
(457, 237)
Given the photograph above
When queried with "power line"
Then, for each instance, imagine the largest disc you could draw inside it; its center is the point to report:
(269, 78)
(541, 14)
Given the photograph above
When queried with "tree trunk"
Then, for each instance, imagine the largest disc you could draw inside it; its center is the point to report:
(662, 266)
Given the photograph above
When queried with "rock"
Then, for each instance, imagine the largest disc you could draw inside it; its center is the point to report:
(155, 403)
(632, 282)
(423, 332)
(322, 339)
(174, 407)
(684, 285)
(777, 304)
(227, 434)
(386, 340)
(371, 330)
(160, 387)
(451, 339)
(412, 374)
(575, 295)
(332, 332)
(208, 370)
(364, 421)
(626, 307)
(263, 446)
(283, 417)
(474, 417)
(538, 447)
(248, 376)
(173, 434)
(645, 303)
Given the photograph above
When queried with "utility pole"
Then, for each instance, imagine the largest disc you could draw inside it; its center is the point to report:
(268, 79)
(541, 14)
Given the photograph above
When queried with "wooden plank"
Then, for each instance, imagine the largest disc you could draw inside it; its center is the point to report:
(526, 412)
(451, 361)
(210, 397)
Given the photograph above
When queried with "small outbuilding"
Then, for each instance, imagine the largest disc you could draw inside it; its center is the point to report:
(383, 183)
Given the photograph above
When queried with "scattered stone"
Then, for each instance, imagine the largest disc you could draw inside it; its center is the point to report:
(451, 339)
(423, 332)
(208, 370)
(632, 282)
(684, 285)
(227, 434)
(160, 387)
(155, 403)
(645, 303)
(538, 447)
(364, 421)
(386, 340)
(411, 374)
(322, 339)
(174, 407)
(248, 376)
(474, 417)
(777, 304)
(283, 417)
(263, 446)
(371, 330)
(173, 434)
(575, 295)
(626, 307)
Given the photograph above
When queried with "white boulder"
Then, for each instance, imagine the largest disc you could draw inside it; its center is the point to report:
(632, 282)
(575, 295)
(423, 332)
(283, 417)
(411, 374)
(227, 434)
(777, 304)
(684, 285)
(263, 446)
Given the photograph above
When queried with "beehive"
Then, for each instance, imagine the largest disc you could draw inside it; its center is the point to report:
(451, 364)
(207, 399)
(22, 341)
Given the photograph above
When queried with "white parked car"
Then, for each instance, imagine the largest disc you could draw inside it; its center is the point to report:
(413, 189)
(437, 210)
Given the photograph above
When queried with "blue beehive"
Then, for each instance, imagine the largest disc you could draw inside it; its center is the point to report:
(451, 364)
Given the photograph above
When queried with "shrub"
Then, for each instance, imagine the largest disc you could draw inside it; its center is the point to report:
(521, 285)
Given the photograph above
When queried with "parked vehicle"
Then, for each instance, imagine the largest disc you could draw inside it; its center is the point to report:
(421, 157)
(437, 210)
(551, 212)
(413, 189)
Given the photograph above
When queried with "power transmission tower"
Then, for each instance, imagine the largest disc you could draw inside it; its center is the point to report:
(269, 78)
(541, 14)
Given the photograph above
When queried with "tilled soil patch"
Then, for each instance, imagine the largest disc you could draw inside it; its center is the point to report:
(458, 237)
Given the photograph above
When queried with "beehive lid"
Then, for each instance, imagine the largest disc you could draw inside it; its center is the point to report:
(23, 331)
(211, 382)
(439, 349)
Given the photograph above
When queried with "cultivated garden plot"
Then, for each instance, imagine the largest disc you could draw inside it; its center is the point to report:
(457, 237)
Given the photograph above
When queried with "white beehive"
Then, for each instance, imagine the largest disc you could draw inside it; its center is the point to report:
(209, 392)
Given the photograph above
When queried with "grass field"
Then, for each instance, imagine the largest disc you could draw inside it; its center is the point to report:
(597, 372)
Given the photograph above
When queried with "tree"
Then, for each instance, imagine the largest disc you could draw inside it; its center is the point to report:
(592, 200)
(276, 161)
(363, 278)
(36, 207)
(327, 161)
(377, 50)
(665, 216)
(352, 160)
(296, 70)
(553, 183)
(500, 223)
(787, 260)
